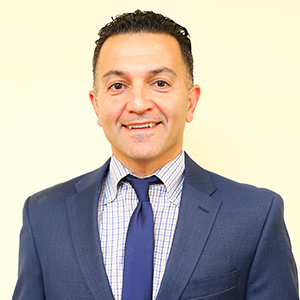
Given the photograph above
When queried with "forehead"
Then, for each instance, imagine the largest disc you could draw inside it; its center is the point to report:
(140, 50)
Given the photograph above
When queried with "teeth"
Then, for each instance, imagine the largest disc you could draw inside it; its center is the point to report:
(138, 126)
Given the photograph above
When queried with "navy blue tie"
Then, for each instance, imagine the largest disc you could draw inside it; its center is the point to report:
(139, 247)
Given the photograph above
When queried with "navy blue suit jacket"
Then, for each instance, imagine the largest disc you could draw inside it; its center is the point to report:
(230, 243)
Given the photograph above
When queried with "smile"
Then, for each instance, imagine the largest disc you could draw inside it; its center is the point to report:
(141, 126)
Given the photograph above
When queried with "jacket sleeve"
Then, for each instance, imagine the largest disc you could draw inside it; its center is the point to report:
(273, 273)
(30, 278)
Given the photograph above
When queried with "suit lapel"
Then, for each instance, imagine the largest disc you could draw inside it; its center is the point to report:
(197, 214)
(82, 211)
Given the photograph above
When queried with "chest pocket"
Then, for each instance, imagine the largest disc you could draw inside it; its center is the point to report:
(213, 287)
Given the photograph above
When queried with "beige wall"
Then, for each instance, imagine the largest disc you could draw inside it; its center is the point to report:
(247, 62)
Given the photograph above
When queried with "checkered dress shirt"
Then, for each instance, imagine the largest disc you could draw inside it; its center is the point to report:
(116, 205)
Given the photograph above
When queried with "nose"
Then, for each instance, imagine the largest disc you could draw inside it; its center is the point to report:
(138, 100)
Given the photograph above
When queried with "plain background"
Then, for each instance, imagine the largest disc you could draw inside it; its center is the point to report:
(246, 127)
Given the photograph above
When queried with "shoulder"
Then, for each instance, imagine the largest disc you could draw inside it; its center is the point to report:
(235, 188)
(238, 196)
(230, 192)
(243, 207)
(59, 192)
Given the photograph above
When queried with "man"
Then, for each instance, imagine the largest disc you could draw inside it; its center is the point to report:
(213, 238)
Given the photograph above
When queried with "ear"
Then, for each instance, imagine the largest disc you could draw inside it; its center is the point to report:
(194, 95)
(93, 97)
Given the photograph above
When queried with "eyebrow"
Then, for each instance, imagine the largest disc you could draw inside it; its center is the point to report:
(152, 72)
(113, 72)
(163, 70)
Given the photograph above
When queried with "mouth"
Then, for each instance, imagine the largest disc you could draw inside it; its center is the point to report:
(142, 126)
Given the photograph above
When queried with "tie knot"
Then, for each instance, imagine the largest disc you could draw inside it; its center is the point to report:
(141, 185)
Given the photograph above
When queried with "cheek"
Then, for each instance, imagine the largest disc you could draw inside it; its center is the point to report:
(108, 114)
(178, 111)
(174, 112)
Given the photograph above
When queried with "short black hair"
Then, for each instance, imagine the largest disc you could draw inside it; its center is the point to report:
(149, 22)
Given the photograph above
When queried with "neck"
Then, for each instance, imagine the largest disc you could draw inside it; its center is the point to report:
(143, 168)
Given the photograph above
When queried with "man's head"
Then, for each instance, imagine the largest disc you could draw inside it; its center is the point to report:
(142, 98)
(146, 22)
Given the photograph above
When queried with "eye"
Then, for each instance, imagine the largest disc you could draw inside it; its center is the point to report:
(116, 86)
(161, 83)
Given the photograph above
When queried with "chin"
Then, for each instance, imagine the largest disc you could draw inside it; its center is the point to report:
(142, 156)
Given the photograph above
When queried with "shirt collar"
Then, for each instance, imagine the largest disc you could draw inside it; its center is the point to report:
(170, 174)
(116, 172)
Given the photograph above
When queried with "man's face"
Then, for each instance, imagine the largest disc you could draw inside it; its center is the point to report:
(142, 100)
